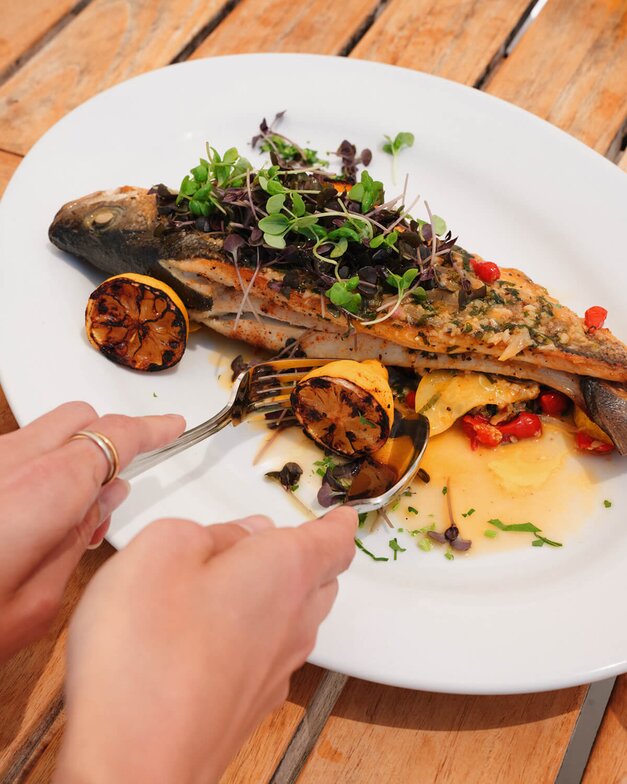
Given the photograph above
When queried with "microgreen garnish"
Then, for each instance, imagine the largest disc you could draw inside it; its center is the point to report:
(607, 504)
(374, 557)
(288, 476)
(395, 145)
(367, 192)
(528, 528)
(342, 293)
(395, 547)
(336, 236)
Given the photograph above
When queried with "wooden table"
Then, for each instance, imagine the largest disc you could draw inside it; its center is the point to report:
(566, 61)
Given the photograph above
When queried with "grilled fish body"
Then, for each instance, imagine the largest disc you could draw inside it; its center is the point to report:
(515, 329)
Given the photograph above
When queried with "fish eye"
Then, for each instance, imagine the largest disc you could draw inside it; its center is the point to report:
(102, 218)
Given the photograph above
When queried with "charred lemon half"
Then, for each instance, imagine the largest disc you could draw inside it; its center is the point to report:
(138, 322)
(346, 406)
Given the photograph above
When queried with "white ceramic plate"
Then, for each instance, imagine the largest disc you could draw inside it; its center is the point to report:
(514, 188)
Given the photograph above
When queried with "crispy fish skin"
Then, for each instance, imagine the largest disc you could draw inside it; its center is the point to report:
(517, 324)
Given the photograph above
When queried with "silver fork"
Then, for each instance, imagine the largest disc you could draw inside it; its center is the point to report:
(265, 389)
(260, 390)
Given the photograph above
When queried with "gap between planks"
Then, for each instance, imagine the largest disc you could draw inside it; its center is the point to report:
(39, 44)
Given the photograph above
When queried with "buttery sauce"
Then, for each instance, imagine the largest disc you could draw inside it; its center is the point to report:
(542, 481)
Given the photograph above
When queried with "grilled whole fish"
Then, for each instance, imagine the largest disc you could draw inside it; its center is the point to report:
(516, 328)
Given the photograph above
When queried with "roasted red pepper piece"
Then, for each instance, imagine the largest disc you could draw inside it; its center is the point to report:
(589, 444)
(486, 271)
(525, 425)
(594, 318)
(554, 403)
(410, 398)
(480, 431)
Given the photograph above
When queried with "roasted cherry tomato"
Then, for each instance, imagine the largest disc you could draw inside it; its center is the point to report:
(588, 444)
(595, 318)
(525, 425)
(554, 403)
(410, 398)
(480, 431)
(486, 271)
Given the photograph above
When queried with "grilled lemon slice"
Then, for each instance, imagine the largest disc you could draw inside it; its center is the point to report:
(346, 406)
(138, 322)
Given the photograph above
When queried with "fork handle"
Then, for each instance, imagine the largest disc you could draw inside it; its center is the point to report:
(183, 442)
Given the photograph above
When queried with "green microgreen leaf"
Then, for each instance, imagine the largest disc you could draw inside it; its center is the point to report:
(275, 241)
(274, 224)
(343, 294)
(298, 205)
(274, 205)
(374, 557)
(367, 192)
(396, 548)
(394, 146)
(340, 248)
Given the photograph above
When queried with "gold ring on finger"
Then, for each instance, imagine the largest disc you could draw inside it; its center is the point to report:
(107, 448)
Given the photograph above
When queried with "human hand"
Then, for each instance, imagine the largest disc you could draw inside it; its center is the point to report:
(186, 639)
(53, 505)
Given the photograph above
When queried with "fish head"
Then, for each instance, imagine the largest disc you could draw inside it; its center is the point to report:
(112, 229)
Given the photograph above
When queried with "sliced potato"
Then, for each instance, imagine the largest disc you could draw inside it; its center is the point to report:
(138, 322)
(444, 396)
(346, 406)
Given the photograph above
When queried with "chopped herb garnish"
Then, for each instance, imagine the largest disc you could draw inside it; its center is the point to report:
(444, 490)
(154, 394)
(374, 557)
(471, 511)
(365, 421)
(394, 146)
(449, 555)
(607, 504)
(528, 528)
(489, 533)
(395, 547)
(362, 518)
(324, 464)
(412, 510)
(425, 544)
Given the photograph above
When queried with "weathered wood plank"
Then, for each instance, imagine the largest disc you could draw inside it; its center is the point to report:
(31, 681)
(260, 755)
(24, 24)
(319, 26)
(7, 420)
(608, 760)
(111, 40)
(377, 733)
(570, 68)
(457, 39)
(255, 762)
(8, 164)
